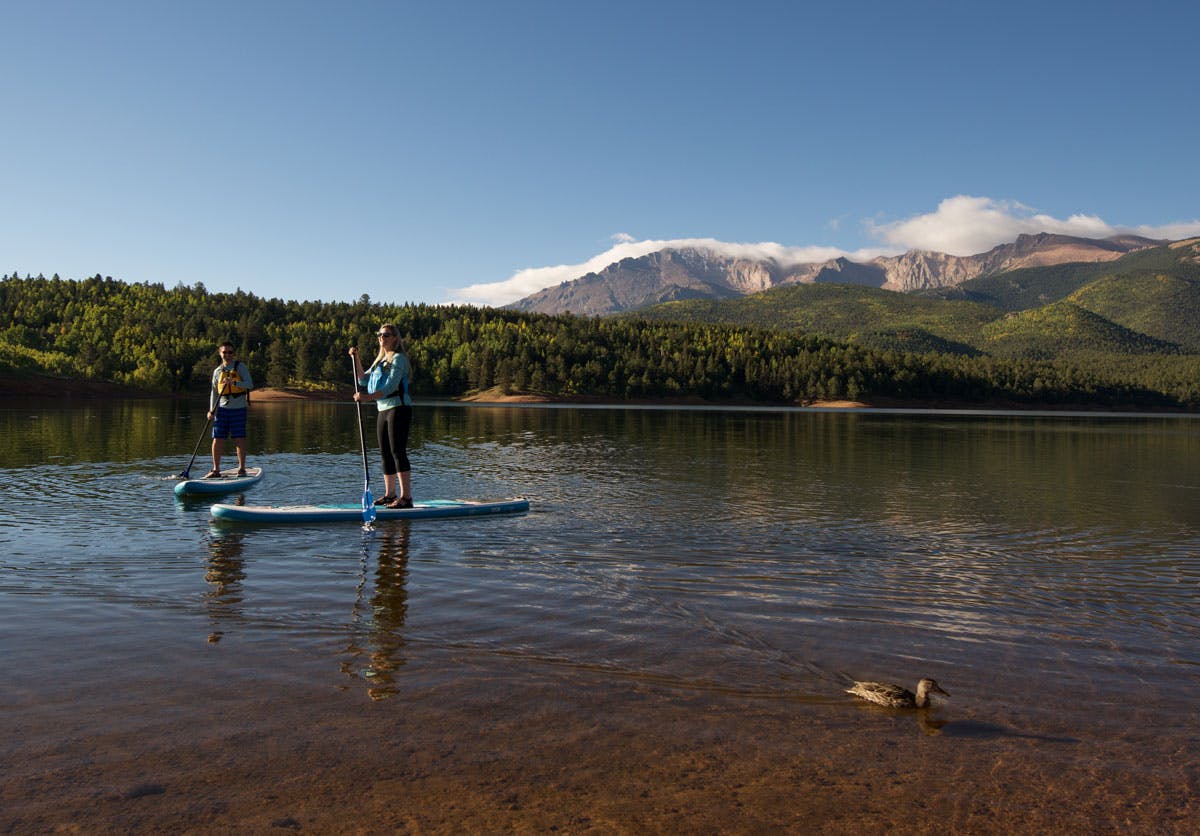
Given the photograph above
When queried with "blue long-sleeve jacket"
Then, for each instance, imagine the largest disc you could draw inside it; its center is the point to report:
(391, 378)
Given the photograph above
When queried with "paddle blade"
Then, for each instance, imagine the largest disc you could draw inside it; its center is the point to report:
(368, 507)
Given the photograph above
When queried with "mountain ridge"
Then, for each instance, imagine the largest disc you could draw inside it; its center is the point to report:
(1145, 303)
(678, 274)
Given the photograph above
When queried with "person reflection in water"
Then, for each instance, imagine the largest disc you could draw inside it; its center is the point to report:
(225, 572)
(389, 608)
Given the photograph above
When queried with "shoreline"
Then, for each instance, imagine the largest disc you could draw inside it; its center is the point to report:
(36, 386)
(502, 746)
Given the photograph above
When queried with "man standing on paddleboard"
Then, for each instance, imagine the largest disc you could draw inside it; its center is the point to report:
(228, 403)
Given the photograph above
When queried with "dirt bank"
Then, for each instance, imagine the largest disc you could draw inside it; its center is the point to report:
(271, 395)
(496, 394)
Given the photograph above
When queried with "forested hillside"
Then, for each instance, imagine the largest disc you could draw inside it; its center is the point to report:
(839, 311)
(1098, 315)
(1020, 290)
(162, 339)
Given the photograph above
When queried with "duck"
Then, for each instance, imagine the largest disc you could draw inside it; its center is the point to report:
(894, 696)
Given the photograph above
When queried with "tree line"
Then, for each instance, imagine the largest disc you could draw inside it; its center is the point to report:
(160, 339)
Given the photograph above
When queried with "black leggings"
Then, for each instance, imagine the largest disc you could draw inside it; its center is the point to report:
(391, 428)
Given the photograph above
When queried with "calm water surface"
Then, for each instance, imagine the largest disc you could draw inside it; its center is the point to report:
(1043, 568)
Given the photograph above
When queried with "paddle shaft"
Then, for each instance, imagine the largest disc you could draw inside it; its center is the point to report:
(363, 435)
(188, 470)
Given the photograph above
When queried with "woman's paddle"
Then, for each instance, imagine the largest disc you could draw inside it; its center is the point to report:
(368, 501)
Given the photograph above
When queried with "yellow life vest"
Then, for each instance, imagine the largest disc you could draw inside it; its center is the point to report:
(230, 378)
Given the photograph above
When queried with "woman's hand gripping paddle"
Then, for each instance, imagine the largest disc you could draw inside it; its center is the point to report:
(368, 501)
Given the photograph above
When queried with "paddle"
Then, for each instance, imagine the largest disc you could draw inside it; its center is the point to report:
(187, 471)
(368, 501)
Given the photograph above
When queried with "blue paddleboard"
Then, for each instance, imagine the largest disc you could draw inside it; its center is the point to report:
(227, 482)
(349, 512)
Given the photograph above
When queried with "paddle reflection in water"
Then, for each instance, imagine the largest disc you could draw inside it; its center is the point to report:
(388, 608)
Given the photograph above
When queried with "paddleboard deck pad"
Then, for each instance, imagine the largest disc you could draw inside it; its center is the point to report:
(350, 512)
(227, 482)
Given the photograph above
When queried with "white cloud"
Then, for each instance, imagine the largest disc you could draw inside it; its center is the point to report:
(531, 280)
(1172, 232)
(965, 225)
(961, 225)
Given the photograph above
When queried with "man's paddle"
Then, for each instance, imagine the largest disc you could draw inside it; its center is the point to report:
(368, 501)
(187, 471)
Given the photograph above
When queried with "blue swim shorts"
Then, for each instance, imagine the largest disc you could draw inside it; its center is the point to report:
(229, 423)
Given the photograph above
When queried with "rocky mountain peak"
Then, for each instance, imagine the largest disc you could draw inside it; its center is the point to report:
(697, 273)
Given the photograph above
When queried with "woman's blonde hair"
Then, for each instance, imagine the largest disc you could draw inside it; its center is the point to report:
(397, 346)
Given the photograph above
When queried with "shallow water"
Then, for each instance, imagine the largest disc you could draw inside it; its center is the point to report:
(1042, 568)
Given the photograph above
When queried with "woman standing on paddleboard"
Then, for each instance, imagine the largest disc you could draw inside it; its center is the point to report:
(386, 382)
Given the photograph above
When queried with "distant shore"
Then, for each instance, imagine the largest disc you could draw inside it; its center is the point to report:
(38, 387)
(498, 396)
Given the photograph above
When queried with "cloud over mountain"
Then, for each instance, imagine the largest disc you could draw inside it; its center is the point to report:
(965, 225)
(961, 225)
(533, 279)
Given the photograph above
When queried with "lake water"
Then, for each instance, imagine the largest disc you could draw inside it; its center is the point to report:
(1043, 568)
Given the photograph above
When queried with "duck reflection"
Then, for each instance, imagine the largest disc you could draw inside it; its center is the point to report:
(225, 571)
(388, 608)
(927, 720)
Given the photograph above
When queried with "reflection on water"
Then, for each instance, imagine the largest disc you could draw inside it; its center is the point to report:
(126, 430)
(1043, 568)
(979, 730)
(226, 571)
(378, 628)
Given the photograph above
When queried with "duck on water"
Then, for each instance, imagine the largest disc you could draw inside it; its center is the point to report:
(894, 696)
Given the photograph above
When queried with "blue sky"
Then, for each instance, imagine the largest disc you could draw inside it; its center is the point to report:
(445, 151)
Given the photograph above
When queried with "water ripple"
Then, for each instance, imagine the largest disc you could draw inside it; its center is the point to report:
(770, 556)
